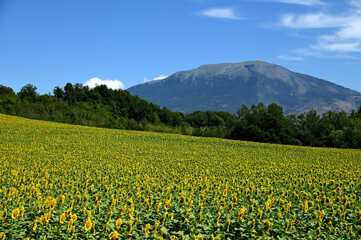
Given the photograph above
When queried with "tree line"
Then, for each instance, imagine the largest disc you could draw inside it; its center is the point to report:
(105, 107)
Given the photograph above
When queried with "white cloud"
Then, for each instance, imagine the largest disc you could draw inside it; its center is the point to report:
(313, 20)
(220, 13)
(289, 58)
(338, 47)
(304, 2)
(306, 52)
(113, 84)
(345, 39)
(300, 2)
(352, 30)
(161, 77)
(344, 34)
(315, 51)
(356, 3)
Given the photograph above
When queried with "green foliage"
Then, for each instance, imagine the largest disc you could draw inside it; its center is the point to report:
(104, 107)
(101, 106)
(28, 93)
(8, 100)
(268, 124)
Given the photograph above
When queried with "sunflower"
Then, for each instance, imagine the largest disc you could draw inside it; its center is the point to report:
(62, 198)
(70, 225)
(74, 217)
(306, 206)
(88, 225)
(53, 204)
(22, 211)
(240, 214)
(2, 236)
(131, 211)
(62, 218)
(267, 225)
(114, 235)
(146, 231)
(47, 216)
(35, 224)
(118, 223)
(12, 191)
(15, 214)
(42, 220)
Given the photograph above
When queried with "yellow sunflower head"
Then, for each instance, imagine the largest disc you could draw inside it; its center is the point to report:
(15, 214)
(88, 225)
(114, 235)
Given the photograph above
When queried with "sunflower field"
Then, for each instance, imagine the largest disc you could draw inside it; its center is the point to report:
(61, 181)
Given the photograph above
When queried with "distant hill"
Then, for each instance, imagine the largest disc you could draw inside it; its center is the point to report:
(226, 86)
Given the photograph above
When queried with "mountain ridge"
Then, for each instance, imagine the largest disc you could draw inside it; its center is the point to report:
(226, 86)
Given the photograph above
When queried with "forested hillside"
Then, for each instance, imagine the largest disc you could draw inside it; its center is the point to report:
(104, 107)
(77, 104)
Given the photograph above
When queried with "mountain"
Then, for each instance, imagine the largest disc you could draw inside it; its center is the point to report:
(226, 86)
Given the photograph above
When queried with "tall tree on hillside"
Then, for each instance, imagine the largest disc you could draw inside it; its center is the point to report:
(28, 93)
(58, 92)
(69, 94)
(8, 100)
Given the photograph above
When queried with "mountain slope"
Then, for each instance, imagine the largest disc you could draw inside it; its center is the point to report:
(226, 86)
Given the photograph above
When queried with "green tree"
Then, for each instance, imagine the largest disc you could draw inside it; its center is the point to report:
(69, 93)
(58, 92)
(28, 93)
(8, 100)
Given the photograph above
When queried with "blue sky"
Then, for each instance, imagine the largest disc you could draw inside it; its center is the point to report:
(126, 42)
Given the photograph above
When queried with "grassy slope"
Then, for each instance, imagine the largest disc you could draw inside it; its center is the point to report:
(86, 165)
